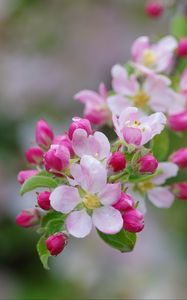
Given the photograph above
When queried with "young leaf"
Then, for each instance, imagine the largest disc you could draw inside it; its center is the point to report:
(160, 145)
(43, 252)
(123, 241)
(51, 215)
(53, 226)
(35, 182)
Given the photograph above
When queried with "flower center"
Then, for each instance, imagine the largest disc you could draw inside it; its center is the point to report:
(148, 58)
(140, 99)
(91, 201)
(145, 186)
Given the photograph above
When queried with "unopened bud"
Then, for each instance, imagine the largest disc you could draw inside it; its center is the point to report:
(178, 122)
(25, 174)
(133, 220)
(34, 155)
(147, 164)
(79, 123)
(117, 161)
(28, 218)
(43, 200)
(56, 158)
(182, 48)
(154, 9)
(56, 243)
(124, 203)
(180, 190)
(180, 158)
(44, 134)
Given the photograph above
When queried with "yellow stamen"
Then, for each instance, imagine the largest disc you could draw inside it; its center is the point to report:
(148, 58)
(145, 186)
(91, 201)
(140, 99)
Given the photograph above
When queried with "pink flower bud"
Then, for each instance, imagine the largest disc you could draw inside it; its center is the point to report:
(56, 243)
(28, 218)
(178, 122)
(180, 158)
(64, 141)
(147, 164)
(24, 175)
(43, 200)
(154, 9)
(44, 134)
(79, 123)
(56, 158)
(34, 155)
(124, 203)
(182, 48)
(180, 190)
(133, 220)
(117, 161)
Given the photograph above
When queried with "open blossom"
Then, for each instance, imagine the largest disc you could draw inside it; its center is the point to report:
(96, 145)
(160, 196)
(149, 94)
(96, 110)
(137, 130)
(97, 198)
(154, 57)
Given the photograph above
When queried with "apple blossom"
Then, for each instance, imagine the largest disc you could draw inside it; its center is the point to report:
(28, 218)
(137, 130)
(56, 158)
(25, 174)
(149, 94)
(156, 57)
(98, 198)
(43, 200)
(154, 8)
(34, 155)
(117, 161)
(180, 190)
(178, 122)
(182, 48)
(180, 158)
(133, 220)
(147, 164)
(79, 123)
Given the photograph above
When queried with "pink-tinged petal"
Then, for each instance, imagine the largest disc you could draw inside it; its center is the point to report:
(76, 172)
(107, 219)
(161, 197)
(80, 142)
(103, 90)
(139, 46)
(168, 170)
(118, 103)
(129, 114)
(132, 135)
(79, 223)
(137, 198)
(110, 194)
(104, 145)
(167, 44)
(146, 134)
(121, 83)
(64, 198)
(155, 121)
(144, 70)
(89, 97)
(94, 174)
(183, 80)
(155, 83)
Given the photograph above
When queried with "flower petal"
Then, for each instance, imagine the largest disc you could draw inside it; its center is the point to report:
(104, 145)
(161, 197)
(80, 142)
(118, 103)
(94, 174)
(168, 170)
(110, 194)
(107, 219)
(132, 135)
(79, 223)
(64, 198)
(88, 97)
(139, 46)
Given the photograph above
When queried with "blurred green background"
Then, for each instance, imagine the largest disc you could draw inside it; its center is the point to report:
(49, 50)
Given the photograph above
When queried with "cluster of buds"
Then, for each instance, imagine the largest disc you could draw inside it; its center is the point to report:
(87, 180)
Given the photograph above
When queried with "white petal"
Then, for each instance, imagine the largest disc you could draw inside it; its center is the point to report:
(110, 194)
(104, 145)
(107, 219)
(94, 174)
(64, 198)
(80, 142)
(118, 103)
(168, 170)
(161, 197)
(79, 223)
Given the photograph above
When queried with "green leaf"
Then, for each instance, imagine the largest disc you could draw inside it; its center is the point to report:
(179, 26)
(56, 225)
(123, 241)
(43, 252)
(51, 215)
(35, 182)
(160, 145)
